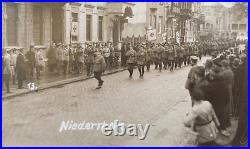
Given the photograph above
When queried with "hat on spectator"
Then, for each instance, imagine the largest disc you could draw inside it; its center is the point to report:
(8, 49)
(193, 59)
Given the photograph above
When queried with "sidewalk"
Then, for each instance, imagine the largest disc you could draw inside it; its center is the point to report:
(52, 80)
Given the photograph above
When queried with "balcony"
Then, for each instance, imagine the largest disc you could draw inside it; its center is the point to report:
(119, 8)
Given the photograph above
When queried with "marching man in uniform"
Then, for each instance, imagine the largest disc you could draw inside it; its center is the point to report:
(131, 60)
(148, 56)
(99, 68)
(141, 58)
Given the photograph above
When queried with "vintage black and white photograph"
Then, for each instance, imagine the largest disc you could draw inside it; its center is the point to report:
(125, 74)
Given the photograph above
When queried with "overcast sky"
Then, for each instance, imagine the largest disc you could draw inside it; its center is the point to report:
(226, 4)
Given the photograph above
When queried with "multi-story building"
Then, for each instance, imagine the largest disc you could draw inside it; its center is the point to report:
(147, 16)
(192, 26)
(222, 23)
(26, 24)
(180, 22)
(237, 25)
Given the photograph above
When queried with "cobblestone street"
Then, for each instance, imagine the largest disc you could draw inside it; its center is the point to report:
(35, 119)
(159, 99)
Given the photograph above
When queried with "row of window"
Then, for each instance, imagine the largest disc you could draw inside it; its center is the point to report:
(239, 26)
(234, 26)
(89, 27)
(153, 20)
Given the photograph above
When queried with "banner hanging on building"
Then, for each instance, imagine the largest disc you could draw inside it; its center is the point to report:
(177, 37)
(151, 34)
(74, 29)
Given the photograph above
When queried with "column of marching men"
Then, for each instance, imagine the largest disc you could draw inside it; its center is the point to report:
(218, 92)
(62, 59)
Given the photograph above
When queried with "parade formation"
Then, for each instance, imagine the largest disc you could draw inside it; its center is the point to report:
(180, 63)
(67, 59)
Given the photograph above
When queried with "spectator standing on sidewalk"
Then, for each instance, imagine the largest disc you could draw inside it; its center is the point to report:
(59, 52)
(112, 55)
(13, 57)
(89, 58)
(71, 59)
(65, 59)
(203, 120)
(218, 94)
(190, 82)
(20, 67)
(241, 137)
(106, 54)
(99, 68)
(39, 62)
(52, 59)
(31, 63)
(123, 54)
(6, 68)
(228, 78)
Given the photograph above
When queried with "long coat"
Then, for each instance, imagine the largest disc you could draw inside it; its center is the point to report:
(131, 57)
(30, 55)
(6, 64)
(51, 55)
(20, 67)
(99, 63)
(89, 56)
(141, 57)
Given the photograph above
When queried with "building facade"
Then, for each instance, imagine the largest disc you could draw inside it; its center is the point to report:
(147, 16)
(26, 24)
(222, 23)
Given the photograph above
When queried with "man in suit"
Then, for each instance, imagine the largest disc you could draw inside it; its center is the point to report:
(20, 66)
(31, 62)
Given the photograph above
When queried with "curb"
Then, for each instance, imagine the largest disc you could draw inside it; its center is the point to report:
(59, 83)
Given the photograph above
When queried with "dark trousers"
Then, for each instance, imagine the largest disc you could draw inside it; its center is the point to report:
(141, 69)
(20, 83)
(171, 64)
(98, 76)
(185, 60)
(222, 114)
(148, 63)
(130, 69)
(158, 62)
(6, 79)
(165, 63)
(52, 67)
(30, 72)
(65, 65)
(38, 69)
(79, 66)
(180, 61)
(200, 54)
